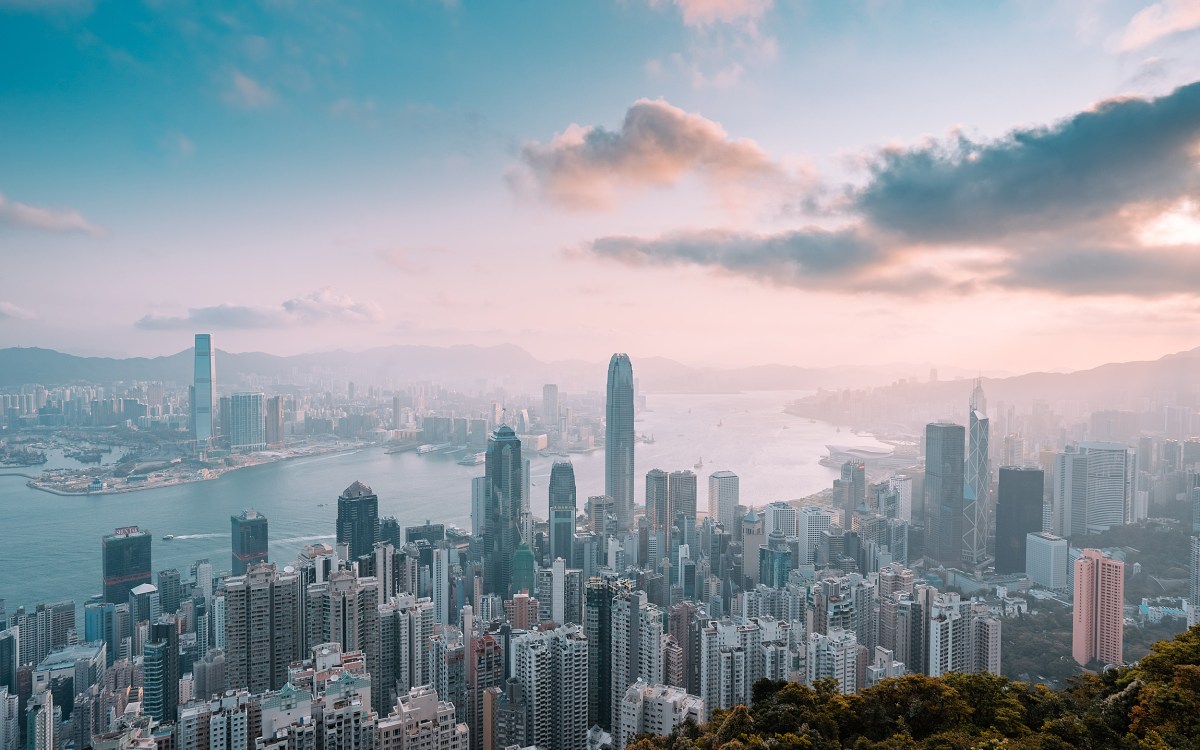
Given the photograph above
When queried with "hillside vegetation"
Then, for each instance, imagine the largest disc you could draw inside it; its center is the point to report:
(1153, 705)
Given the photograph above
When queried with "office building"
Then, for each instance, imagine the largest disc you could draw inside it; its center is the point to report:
(850, 491)
(1046, 560)
(562, 510)
(125, 556)
(944, 488)
(248, 428)
(204, 392)
(1093, 488)
(505, 474)
(977, 493)
(550, 407)
(619, 439)
(774, 561)
(249, 534)
(723, 498)
(358, 519)
(1018, 514)
(1097, 621)
(901, 487)
(160, 669)
(681, 495)
(274, 420)
(657, 504)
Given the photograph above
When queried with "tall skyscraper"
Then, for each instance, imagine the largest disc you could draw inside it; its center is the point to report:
(723, 498)
(248, 431)
(1097, 627)
(681, 495)
(562, 510)
(619, 438)
(358, 519)
(274, 420)
(249, 533)
(1093, 488)
(126, 560)
(161, 669)
(944, 486)
(550, 407)
(203, 391)
(657, 506)
(977, 491)
(504, 471)
(1018, 514)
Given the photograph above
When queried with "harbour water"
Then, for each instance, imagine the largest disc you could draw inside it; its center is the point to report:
(50, 545)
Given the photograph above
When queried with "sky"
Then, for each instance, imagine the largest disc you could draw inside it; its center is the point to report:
(1003, 186)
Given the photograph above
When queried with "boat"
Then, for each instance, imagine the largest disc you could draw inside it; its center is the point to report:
(699, 464)
(168, 537)
(473, 460)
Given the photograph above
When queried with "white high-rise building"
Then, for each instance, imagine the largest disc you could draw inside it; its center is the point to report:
(781, 516)
(1093, 488)
(552, 667)
(833, 655)
(977, 491)
(902, 485)
(10, 720)
(442, 554)
(637, 632)
(420, 721)
(949, 635)
(723, 498)
(811, 522)
(655, 709)
(1046, 560)
(248, 431)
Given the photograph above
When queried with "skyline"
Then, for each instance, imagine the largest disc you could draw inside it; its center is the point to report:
(697, 180)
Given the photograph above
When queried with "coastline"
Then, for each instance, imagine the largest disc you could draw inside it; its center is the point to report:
(203, 475)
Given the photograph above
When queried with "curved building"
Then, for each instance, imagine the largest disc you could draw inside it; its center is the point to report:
(619, 438)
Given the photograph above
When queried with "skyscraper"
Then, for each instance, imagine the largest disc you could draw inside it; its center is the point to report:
(944, 445)
(977, 492)
(358, 519)
(723, 498)
(1093, 488)
(249, 532)
(203, 391)
(656, 499)
(619, 438)
(126, 561)
(1018, 514)
(161, 669)
(263, 627)
(681, 495)
(248, 431)
(1097, 622)
(550, 407)
(562, 510)
(274, 420)
(504, 470)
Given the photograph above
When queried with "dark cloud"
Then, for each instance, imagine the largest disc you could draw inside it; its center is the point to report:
(1052, 179)
(1074, 208)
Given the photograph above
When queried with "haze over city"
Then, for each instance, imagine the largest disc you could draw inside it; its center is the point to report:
(693, 179)
(599, 375)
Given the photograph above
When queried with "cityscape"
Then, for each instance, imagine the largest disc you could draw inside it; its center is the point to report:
(599, 375)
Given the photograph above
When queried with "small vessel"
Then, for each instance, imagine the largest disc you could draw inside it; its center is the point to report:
(699, 464)
(168, 537)
(473, 459)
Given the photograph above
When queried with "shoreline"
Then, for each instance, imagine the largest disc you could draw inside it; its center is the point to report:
(213, 474)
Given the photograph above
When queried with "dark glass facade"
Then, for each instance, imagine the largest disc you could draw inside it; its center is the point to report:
(249, 532)
(1018, 513)
(358, 519)
(125, 556)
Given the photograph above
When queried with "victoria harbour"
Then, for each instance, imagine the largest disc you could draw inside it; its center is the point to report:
(776, 454)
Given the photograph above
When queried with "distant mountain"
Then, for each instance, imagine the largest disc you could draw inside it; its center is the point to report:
(512, 367)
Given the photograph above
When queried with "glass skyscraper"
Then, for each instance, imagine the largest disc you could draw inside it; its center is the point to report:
(977, 501)
(503, 469)
(944, 486)
(204, 385)
(619, 438)
(126, 561)
(358, 519)
(562, 510)
(1018, 514)
(249, 531)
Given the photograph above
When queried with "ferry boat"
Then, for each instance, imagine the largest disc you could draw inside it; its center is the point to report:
(423, 449)
(473, 460)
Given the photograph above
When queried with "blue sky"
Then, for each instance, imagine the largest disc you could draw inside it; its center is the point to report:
(657, 176)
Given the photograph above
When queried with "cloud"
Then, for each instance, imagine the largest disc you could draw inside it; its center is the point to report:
(318, 307)
(25, 216)
(1100, 203)
(1157, 21)
(708, 12)
(10, 311)
(587, 167)
(247, 93)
